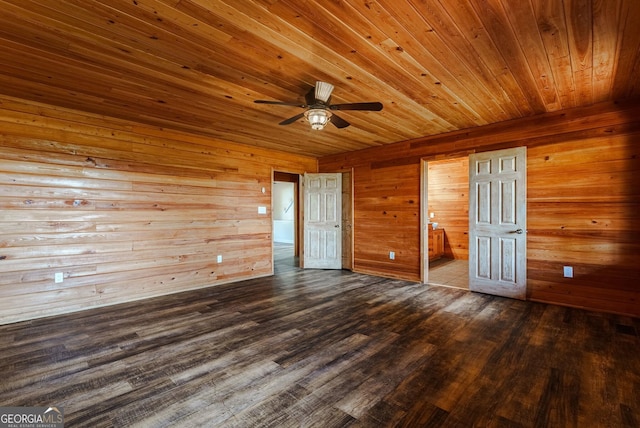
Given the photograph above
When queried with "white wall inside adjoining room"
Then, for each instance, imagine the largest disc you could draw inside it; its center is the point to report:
(283, 212)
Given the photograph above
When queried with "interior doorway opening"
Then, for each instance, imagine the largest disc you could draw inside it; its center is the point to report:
(445, 218)
(286, 220)
(288, 225)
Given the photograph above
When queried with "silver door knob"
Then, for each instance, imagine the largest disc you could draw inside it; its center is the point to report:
(518, 231)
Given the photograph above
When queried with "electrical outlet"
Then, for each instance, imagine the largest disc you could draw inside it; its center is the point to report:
(392, 255)
(58, 277)
(568, 271)
(219, 258)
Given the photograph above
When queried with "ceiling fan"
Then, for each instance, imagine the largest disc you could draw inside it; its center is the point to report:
(319, 108)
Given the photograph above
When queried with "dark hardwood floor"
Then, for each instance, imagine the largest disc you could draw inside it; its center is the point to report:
(327, 349)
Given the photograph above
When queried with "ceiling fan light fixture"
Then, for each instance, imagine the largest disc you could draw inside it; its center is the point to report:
(318, 117)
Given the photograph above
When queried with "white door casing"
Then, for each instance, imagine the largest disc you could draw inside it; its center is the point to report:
(323, 221)
(498, 223)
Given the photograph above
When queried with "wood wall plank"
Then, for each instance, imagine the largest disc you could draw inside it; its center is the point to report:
(583, 201)
(124, 211)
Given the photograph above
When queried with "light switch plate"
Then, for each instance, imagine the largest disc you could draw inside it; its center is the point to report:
(262, 210)
(58, 277)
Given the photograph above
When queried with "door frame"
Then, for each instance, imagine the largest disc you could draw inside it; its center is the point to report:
(424, 221)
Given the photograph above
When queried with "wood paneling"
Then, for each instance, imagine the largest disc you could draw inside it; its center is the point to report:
(386, 218)
(448, 187)
(124, 211)
(583, 201)
(437, 66)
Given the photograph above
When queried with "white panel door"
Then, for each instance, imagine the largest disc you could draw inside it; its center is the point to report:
(498, 222)
(322, 221)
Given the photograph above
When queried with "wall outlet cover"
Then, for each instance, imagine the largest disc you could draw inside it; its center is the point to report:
(568, 271)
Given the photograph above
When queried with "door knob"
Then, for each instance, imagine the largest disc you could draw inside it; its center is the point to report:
(518, 231)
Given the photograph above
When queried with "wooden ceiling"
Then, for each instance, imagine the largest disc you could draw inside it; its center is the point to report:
(436, 65)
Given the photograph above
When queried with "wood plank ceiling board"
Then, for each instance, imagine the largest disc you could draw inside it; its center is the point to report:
(626, 83)
(579, 25)
(552, 26)
(605, 46)
(437, 66)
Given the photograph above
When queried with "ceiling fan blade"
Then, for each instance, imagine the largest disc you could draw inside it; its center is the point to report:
(292, 119)
(375, 106)
(339, 122)
(280, 103)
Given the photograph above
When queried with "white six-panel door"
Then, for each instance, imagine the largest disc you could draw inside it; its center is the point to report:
(498, 223)
(322, 221)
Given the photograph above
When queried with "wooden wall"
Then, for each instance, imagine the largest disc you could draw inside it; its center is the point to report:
(583, 202)
(386, 218)
(448, 190)
(124, 211)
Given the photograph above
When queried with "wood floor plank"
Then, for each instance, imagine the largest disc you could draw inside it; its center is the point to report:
(331, 349)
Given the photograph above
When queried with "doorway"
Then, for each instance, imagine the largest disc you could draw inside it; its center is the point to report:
(287, 208)
(479, 202)
(286, 221)
(445, 184)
